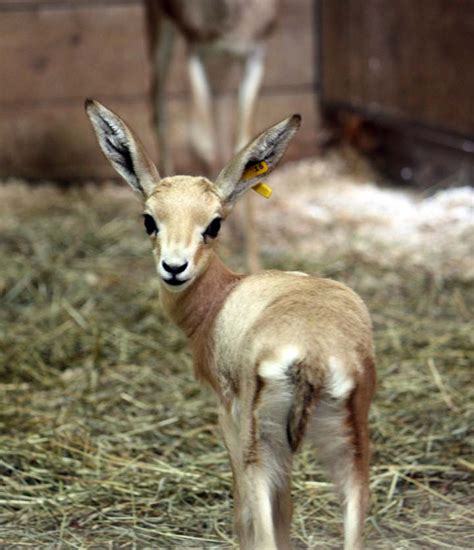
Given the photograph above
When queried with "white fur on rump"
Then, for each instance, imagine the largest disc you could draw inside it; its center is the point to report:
(277, 368)
(339, 382)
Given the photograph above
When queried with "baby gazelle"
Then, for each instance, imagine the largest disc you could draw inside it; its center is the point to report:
(289, 356)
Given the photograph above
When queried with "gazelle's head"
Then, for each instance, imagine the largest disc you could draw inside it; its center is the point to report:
(183, 214)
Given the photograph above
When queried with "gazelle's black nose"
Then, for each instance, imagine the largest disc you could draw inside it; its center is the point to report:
(174, 269)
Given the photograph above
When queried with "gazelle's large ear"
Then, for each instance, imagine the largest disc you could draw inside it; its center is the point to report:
(123, 149)
(240, 174)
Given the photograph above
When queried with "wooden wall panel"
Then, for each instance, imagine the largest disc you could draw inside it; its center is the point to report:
(50, 54)
(274, 107)
(54, 53)
(291, 54)
(401, 59)
(30, 5)
(58, 144)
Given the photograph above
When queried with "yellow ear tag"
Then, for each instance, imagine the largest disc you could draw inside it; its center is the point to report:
(257, 170)
(263, 189)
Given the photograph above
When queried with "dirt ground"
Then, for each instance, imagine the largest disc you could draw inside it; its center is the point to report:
(106, 438)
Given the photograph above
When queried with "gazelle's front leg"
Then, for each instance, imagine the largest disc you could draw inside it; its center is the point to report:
(161, 39)
(248, 93)
(242, 518)
(202, 123)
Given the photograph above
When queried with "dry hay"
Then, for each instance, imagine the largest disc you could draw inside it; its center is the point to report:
(105, 436)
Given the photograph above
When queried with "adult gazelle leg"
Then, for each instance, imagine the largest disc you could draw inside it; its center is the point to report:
(161, 39)
(248, 93)
(202, 121)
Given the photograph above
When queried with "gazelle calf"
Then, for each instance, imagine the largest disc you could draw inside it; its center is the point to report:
(289, 356)
(233, 30)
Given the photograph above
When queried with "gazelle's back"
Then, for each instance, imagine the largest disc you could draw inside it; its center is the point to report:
(286, 318)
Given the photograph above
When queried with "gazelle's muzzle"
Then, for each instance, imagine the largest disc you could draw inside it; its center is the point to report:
(174, 273)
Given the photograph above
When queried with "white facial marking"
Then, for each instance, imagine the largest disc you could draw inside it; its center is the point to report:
(277, 368)
(176, 253)
(339, 382)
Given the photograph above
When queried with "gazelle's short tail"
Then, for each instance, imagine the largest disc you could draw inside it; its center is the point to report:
(305, 394)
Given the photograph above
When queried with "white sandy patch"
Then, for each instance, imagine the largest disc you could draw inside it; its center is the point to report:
(319, 210)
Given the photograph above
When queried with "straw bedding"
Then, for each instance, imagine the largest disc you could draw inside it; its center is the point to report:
(105, 436)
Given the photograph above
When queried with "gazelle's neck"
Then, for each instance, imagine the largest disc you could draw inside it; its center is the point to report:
(194, 311)
(200, 302)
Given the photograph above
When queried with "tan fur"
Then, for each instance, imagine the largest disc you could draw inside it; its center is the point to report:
(195, 313)
(290, 357)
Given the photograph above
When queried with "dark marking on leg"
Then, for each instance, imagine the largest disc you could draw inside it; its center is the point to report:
(358, 405)
(304, 399)
(251, 456)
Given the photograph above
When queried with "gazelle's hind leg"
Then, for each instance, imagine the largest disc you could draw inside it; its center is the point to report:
(255, 436)
(282, 507)
(254, 491)
(339, 430)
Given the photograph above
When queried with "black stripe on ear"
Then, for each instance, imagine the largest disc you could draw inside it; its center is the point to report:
(121, 155)
(116, 143)
(120, 147)
(117, 146)
(276, 140)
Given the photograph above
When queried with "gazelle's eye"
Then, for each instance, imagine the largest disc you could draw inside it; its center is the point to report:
(212, 229)
(150, 224)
